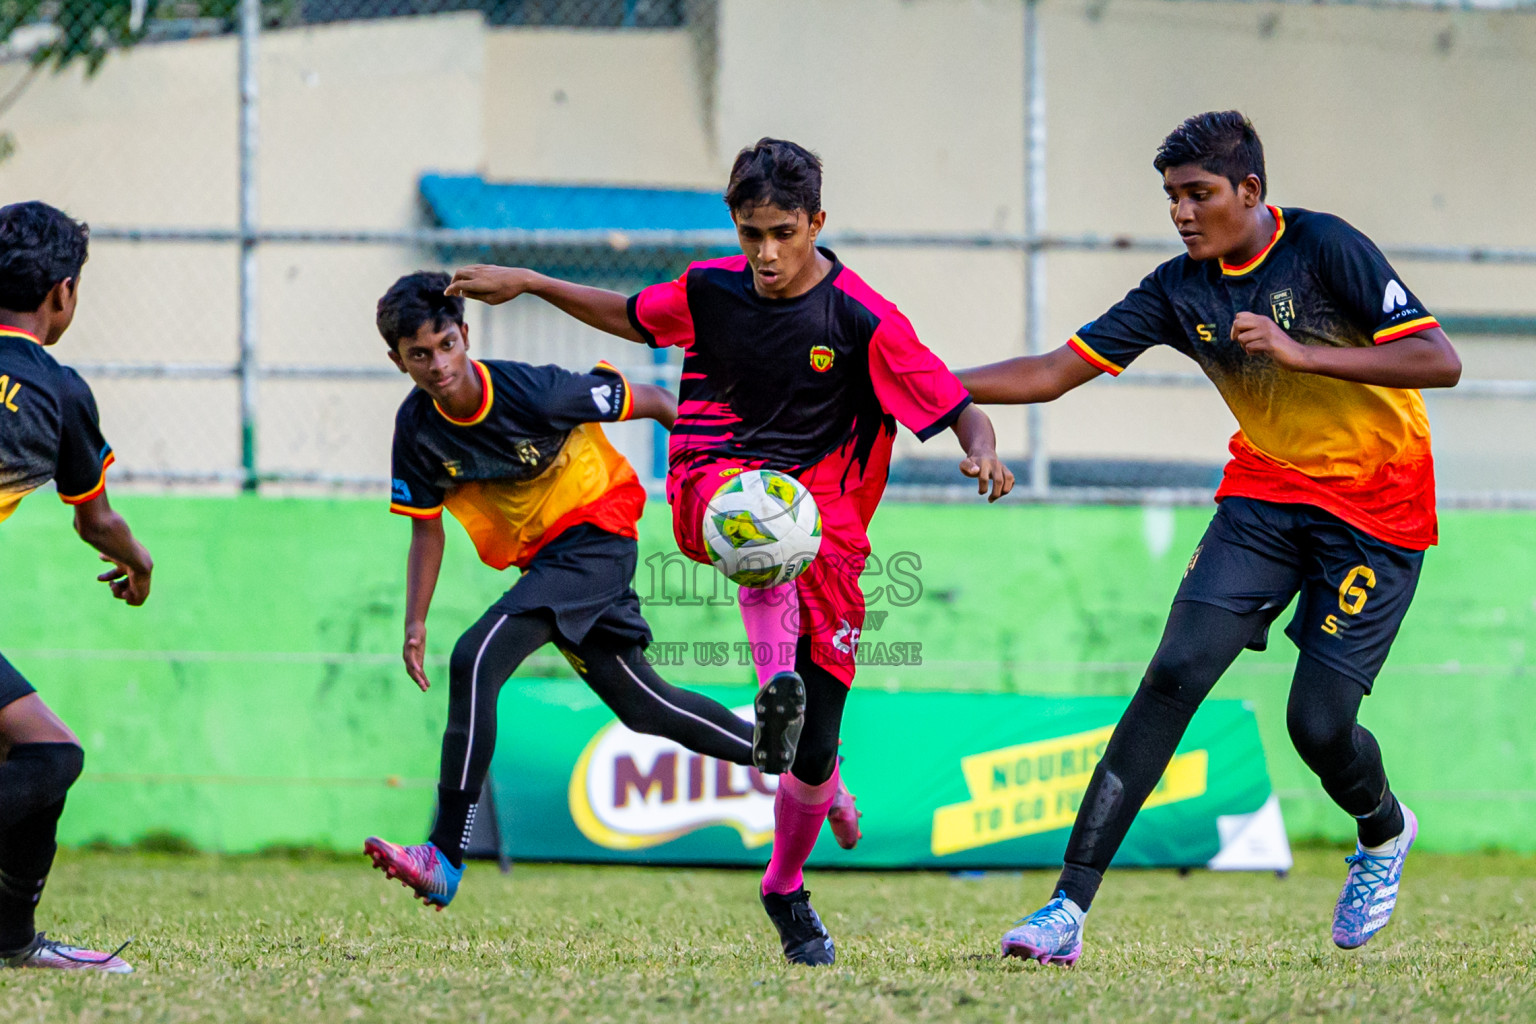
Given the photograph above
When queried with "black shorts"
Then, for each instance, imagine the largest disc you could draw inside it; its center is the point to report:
(13, 685)
(1355, 589)
(586, 578)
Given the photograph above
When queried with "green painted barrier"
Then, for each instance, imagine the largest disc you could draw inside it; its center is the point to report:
(258, 698)
(946, 780)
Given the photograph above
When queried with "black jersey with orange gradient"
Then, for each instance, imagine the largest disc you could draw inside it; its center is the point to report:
(528, 465)
(49, 428)
(1358, 451)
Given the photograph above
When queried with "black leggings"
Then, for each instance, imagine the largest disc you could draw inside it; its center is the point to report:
(1199, 643)
(488, 653)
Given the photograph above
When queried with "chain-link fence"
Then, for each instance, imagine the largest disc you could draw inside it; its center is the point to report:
(257, 174)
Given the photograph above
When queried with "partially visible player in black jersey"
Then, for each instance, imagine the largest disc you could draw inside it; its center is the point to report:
(48, 431)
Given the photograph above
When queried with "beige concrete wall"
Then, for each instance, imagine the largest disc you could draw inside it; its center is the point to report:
(1415, 125)
(1412, 124)
(350, 115)
(610, 107)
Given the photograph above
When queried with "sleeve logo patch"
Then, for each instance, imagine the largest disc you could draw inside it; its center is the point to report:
(821, 358)
(602, 398)
(1395, 296)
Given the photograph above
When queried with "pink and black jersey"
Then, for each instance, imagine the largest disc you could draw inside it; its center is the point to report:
(784, 383)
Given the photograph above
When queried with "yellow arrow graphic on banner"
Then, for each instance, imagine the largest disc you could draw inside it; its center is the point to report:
(1037, 787)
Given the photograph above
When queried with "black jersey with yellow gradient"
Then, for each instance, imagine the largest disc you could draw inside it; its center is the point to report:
(1358, 451)
(49, 428)
(529, 464)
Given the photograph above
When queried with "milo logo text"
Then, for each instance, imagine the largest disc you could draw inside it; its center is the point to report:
(629, 791)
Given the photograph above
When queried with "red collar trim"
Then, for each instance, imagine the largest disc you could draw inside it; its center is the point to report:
(7, 331)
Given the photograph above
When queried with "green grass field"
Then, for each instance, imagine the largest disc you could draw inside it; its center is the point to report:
(254, 939)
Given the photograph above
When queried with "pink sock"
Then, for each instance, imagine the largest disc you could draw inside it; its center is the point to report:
(798, 813)
(772, 618)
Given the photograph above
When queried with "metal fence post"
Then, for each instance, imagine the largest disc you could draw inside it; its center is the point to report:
(1034, 229)
(250, 29)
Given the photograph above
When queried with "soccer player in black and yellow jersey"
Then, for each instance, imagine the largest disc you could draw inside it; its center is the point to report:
(516, 453)
(48, 431)
(1318, 348)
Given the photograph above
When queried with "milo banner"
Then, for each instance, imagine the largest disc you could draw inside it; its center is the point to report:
(945, 780)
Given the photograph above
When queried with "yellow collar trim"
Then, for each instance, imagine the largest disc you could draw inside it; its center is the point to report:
(487, 396)
(1243, 268)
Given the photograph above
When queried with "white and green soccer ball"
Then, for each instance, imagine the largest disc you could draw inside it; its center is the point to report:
(762, 528)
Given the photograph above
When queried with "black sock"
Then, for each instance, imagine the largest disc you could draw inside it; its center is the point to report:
(1080, 882)
(18, 904)
(455, 820)
(1382, 824)
(26, 856)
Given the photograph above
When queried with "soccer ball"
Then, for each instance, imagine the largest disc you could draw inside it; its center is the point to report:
(762, 528)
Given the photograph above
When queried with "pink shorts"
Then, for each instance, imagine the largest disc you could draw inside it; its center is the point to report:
(831, 612)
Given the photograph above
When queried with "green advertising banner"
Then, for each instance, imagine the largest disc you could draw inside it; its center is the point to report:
(945, 780)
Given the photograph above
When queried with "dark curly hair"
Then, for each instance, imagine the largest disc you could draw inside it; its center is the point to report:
(414, 300)
(777, 173)
(39, 247)
(1222, 142)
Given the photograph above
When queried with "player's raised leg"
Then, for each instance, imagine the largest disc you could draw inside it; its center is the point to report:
(483, 659)
(781, 708)
(800, 807)
(771, 616)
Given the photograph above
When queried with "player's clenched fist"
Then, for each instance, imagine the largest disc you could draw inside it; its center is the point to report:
(1259, 335)
(488, 284)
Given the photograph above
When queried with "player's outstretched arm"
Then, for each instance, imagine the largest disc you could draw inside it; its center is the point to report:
(595, 307)
(107, 531)
(974, 429)
(652, 402)
(1423, 360)
(421, 569)
(1027, 379)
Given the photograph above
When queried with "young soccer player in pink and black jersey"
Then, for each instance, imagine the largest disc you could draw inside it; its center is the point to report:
(791, 363)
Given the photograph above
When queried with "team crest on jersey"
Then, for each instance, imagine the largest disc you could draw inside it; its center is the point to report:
(527, 453)
(1283, 305)
(821, 358)
(452, 466)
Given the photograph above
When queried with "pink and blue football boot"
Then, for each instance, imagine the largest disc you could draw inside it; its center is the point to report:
(1052, 935)
(422, 869)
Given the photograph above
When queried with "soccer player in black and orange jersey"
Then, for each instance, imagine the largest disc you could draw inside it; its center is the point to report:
(48, 431)
(516, 454)
(792, 363)
(1318, 348)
